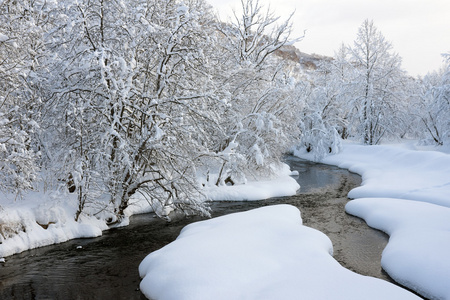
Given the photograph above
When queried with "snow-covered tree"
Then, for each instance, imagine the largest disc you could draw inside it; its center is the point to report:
(261, 119)
(378, 82)
(127, 99)
(141, 97)
(320, 117)
(255, 33)
(325, 115)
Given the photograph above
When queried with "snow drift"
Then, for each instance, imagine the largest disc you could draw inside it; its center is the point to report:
(405, 193)
(264, 253)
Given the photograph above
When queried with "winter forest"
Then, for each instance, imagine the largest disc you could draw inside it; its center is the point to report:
(105, 100)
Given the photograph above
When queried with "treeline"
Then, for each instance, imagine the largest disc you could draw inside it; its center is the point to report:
(106, 99)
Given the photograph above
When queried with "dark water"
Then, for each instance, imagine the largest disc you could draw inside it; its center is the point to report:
(107, 267)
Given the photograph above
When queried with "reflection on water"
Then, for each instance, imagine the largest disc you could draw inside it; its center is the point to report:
(315, 177)
(107, 267)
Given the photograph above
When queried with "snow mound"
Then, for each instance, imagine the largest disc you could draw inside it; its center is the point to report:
(417, 254)
(282, 185)
(394, 172)
(27, 227)
(417, 220)
(254, 190)
(264, 253)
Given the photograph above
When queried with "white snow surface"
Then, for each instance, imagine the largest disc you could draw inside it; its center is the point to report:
(29, 223)
(55, 212)
(396, 172)
(257, 189)
(283, 185)
(405, 193)
(264, 253)
(417, 254)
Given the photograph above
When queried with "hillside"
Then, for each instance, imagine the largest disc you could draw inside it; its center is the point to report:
(306, 61)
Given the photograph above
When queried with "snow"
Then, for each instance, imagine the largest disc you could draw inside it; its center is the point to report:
(182, 9)
(264, 253)
(29, 224)
(267, 253)
(20, 219)
(282, 185)
(405, 193)
(417, 253)
(255, 190)
(396, 172)
(3, 38)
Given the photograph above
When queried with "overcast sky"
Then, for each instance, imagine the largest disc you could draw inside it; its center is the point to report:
(419, 30)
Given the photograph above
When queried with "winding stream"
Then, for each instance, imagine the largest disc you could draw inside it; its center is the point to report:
(107, 267)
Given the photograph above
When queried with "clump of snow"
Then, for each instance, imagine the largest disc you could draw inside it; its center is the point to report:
(265, 253)
(418, 249)
(405, 193)
(182, 9)
(295, 173)
(3, 38)
(282, 185)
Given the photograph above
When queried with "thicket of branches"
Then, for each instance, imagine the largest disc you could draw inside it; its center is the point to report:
(107, 99)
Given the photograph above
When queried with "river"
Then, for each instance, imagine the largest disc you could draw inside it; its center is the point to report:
(107, 267)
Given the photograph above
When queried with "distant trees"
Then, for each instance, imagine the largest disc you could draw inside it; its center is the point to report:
(377, 84)
(359, 94)
(323, 117)
(362, 93)
(433, 107)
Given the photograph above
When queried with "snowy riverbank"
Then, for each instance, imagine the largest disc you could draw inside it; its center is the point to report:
(406, 193)
(41, 219)
(267, 253)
